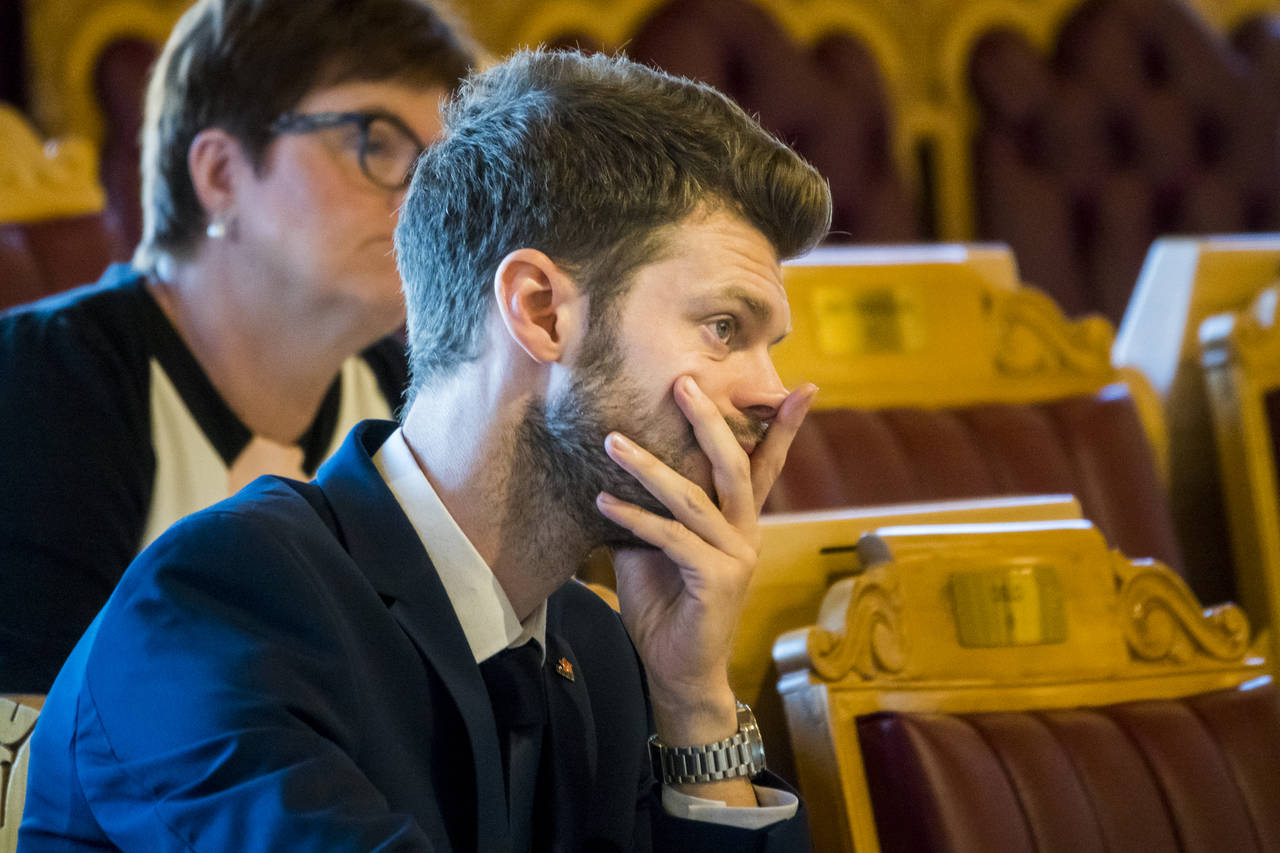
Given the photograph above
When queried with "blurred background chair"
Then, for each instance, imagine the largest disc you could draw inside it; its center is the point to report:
(1241, 353)
(89, 64)
(1185, 280)
(1023, 687)
(52, 232)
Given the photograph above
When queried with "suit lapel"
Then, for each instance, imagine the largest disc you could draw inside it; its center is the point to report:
(383, 543)
(570, 753)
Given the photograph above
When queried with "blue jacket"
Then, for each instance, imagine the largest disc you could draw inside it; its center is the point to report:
(283, 671)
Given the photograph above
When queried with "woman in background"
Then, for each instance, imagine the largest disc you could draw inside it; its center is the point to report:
(251, 330)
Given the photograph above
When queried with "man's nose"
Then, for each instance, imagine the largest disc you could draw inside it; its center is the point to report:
(759, 391)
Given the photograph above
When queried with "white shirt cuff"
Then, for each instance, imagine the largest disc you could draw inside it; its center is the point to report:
(774, 806)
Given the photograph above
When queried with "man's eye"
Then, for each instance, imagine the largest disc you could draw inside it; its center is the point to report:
(723, 329)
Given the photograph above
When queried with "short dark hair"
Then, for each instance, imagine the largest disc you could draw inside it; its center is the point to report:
(587, 159)
(240, 64)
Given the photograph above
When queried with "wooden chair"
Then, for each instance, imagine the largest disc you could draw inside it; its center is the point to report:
(1241, 354)
(1022, 687)
(940, 380)
(89, 62)
(52, 234)
(786, 589)
(17, 720)
(1184, 281)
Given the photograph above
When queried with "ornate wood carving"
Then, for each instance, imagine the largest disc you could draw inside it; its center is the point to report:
(1162, 621)
(872, 641)
(1034, 337)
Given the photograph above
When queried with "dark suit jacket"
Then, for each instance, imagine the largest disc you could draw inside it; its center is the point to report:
(283, 671)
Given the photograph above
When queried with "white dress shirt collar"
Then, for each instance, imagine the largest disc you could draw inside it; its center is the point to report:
(487, 617)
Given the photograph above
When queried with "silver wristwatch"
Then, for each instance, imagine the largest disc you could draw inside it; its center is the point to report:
(742, 754)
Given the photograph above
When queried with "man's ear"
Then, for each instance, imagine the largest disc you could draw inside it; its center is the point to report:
(540, 304)
(214, 160)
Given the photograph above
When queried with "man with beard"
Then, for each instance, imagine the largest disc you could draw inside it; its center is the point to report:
(393, 656)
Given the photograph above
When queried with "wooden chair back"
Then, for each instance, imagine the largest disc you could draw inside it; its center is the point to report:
(52, 233)
(1184, 281)
(1020, 687)
(1241, 356)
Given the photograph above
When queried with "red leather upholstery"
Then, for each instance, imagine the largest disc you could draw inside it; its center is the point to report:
(40, 258)
(19, 276)
(1144, 122)
(1093, 447)
(1197, 774)
(1247, 740)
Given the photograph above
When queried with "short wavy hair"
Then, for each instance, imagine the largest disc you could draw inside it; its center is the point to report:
(586, 158)
(239, 64)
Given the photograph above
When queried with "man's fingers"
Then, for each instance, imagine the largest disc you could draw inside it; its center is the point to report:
(686, 501)
(769, 457)
(730, 466)
(683, 546)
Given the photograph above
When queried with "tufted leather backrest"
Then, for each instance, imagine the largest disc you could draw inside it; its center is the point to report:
(826, 98)
(1142, 122)
(1190, 774)
(1091, 446)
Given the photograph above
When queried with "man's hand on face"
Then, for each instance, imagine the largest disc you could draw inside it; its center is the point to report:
(681, 603)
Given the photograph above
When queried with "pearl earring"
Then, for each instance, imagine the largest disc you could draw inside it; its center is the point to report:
(216, 230)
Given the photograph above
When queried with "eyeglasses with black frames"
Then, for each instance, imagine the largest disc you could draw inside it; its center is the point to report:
(387, 149)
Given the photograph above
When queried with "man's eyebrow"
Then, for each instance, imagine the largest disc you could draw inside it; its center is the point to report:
(758, 308)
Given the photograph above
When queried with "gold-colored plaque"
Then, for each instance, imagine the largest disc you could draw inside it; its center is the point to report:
(1019, 606)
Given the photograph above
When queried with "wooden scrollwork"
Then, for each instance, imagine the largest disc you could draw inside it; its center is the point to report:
(1034, 337)
(1163, 621)
(872, 641)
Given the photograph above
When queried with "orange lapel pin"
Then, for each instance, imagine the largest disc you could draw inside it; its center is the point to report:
(564, 669)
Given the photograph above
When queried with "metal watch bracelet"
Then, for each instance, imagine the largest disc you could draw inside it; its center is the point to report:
(740, 754)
